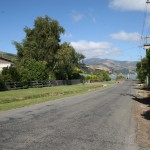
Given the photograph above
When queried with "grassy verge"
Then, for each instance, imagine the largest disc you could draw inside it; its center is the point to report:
(26, 97)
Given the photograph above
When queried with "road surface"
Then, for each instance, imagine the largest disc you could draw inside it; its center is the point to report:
(101, 120)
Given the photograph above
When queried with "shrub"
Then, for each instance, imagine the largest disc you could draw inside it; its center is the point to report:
(120, 78)
(2, 84)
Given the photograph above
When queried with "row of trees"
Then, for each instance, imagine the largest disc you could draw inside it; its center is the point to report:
(42, 56)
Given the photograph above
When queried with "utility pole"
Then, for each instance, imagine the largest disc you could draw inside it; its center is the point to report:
(147, 1)
(147, 48)
(141, 62)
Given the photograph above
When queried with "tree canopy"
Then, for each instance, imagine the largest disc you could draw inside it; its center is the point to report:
(42, 56)
(67, 59)
(42, 42)
(142, 69)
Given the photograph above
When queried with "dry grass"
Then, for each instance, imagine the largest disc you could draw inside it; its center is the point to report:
(142, 114)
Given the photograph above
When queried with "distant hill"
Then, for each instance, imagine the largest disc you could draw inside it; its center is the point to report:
(114, 65)
(7, 55)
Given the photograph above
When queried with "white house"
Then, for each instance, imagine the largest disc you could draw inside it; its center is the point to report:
(4, 63)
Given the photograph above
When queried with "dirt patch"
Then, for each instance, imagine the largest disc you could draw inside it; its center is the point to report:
(142, 115)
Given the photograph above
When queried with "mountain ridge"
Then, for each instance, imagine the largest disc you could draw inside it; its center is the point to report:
(114, 65)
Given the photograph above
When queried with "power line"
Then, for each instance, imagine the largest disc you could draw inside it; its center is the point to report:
(145, 16)
(147, 1)
(148, 30)
(143, 27)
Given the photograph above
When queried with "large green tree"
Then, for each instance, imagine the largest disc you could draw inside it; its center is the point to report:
(142, 69)
(42, 45)
(67, 59)
(32, 70)
(41, 42)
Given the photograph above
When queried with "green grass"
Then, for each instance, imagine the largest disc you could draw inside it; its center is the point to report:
(25, 97)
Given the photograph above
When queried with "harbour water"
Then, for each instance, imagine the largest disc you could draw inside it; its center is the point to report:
(128, 76)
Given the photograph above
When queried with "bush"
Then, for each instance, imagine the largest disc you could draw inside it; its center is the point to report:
(92, 77)
(2, 84)
(10, 74)
(32, 70)
(120, 78)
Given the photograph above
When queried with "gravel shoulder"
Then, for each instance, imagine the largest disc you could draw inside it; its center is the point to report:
(142, 115)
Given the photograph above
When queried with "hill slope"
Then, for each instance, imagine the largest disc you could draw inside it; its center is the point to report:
(118, 66)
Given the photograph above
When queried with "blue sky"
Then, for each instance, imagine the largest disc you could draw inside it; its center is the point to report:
(97, 28)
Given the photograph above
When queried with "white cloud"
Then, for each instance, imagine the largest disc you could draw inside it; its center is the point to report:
(67, 35)
(130, 5)
(126, 36)
(76, 16)
(96, 49)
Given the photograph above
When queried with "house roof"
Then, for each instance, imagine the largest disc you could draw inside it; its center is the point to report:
(5, 60)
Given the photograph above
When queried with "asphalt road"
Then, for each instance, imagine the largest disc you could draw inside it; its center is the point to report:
(101, 120)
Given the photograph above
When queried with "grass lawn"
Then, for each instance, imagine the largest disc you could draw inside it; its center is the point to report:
(25, 97)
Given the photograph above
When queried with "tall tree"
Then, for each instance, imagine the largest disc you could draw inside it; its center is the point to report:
(41, 42)
(142, 69)
(67, 60)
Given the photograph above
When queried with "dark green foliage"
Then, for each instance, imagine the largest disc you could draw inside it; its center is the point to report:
(103, 76)
(120, 78)
(66, 61)
(142, 69)
(76, 76)
(33, 70)
(106, 77)
(41, 57)
(148, 67)
(2, 84)
(41, 42)
(10, 74)
(29, 70)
